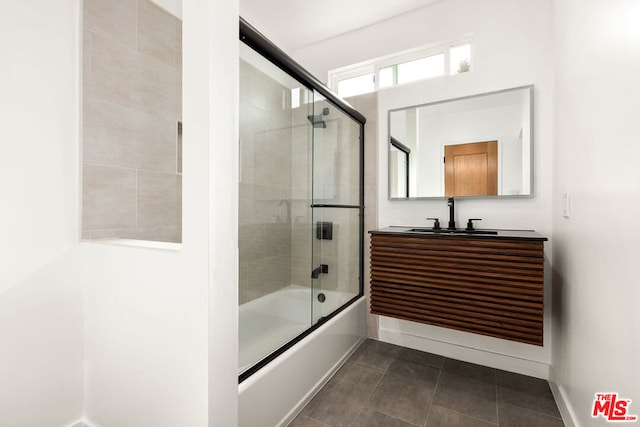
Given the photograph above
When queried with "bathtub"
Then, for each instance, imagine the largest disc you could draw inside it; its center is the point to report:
(273, 395)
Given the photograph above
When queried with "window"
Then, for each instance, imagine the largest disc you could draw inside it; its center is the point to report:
(356, 85)
(423, 68)
(460, 59)
(403, 67)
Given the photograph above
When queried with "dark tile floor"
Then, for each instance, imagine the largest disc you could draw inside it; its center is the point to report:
(386, 385)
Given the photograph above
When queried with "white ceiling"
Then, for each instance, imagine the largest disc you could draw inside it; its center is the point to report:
(293, 24)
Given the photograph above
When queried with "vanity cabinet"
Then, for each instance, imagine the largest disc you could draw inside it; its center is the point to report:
(489, 285)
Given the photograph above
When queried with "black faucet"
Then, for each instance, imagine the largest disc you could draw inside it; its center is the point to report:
(452, 221)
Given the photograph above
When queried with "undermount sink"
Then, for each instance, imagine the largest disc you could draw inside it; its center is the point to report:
(447, 231)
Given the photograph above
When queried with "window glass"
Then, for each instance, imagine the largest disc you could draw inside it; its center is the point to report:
(387, 76)
(422, 68)
(356, 85)
(295, 97)
(412, 65)
(460, 58)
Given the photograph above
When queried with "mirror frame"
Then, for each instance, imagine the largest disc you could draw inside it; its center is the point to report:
(444, 197)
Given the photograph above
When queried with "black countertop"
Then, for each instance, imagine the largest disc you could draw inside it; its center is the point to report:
(478, 233)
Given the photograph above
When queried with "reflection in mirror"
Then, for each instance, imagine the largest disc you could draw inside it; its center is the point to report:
(399, 166)
(474, 146)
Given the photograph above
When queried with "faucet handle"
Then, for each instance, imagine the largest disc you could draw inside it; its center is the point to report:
(470, 223)
(436, 223)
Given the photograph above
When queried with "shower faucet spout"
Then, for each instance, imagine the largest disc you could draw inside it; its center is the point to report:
(322, 269)
(452, 221)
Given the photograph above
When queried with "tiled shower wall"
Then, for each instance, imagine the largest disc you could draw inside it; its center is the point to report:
(277, 242)
(336, 181)
(265, 214)
(132, 184)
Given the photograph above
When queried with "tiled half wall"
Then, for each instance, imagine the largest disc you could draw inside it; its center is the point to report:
(132, 108)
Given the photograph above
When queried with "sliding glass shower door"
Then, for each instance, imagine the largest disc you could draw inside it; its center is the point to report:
(300, 210)
(336, 208)
(274, 208)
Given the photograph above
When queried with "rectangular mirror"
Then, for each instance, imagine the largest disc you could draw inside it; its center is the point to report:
(476, 146)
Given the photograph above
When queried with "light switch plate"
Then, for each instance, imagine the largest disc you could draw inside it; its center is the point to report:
(566, 205)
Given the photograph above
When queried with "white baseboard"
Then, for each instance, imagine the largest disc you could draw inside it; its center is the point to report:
(563, 404)
(468, 354)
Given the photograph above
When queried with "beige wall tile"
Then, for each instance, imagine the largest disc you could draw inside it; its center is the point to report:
(267, 192)
(109, 198)
(278, 238)
(110, 133)
(159, 234)
(158, 88)
(115, 19)
(246, 211)
(122, 76)
(268, 275)
(86, 60)
(114, 135)
(159, 199)
(243, 284)
(156, 143)
(113, 72)
(301, 267)
(132, 101)
(368, 106)
(251, 242)
(159, 34)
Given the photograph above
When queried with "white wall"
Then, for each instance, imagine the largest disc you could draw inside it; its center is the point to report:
(156, 329)
(220, 120)
(40, 300)
(161, 324)
(595, 252)
(510, 48)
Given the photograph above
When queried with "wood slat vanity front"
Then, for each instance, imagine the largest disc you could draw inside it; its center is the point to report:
(490, 285)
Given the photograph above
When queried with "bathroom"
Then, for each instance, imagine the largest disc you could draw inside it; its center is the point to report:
(116, 335)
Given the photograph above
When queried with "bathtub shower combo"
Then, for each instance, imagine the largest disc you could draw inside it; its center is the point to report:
(301, 208)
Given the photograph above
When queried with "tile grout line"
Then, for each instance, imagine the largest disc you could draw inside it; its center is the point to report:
(435, 389)
(525, 408)
(535, 412)
(397, 357)
(465, 414)
(373, 389)
(495, 376)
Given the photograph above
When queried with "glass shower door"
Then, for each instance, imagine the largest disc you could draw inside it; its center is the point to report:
(337, 208)
(274, 209)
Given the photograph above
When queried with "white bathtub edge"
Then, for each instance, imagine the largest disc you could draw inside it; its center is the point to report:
(270, 397)
(323, 381)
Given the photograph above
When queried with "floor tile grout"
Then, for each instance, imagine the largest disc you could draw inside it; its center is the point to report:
(534, 411)
(372, 391)
(433, 396)
(378, 357)
(495, 376)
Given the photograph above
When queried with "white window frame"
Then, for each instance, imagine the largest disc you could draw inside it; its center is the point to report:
(375, 65)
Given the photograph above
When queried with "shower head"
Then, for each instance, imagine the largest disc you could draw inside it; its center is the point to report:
(316, 120)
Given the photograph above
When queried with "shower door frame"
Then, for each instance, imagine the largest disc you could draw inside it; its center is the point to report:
(259, 43)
